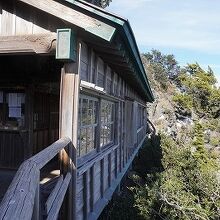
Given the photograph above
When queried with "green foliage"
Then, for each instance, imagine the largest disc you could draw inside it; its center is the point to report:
(213, 124)
(199, 84)
(187, 189)
(100, 3)
(199, 143)
(183, 100)
(121, 208)
(215, 141)
(162, 67)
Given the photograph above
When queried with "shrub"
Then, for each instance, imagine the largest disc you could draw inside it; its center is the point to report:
(187, 189)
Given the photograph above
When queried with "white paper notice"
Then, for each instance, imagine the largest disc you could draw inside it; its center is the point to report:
(14, 112)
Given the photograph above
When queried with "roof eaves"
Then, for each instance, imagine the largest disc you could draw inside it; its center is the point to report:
(123, 26)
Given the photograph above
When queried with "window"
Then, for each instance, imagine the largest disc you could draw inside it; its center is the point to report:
(115, 84)
(107, 123)
(12, 107)
(93, 63)
(84, 63)
(87, 124)
(109, 81)
(140, 116)
(101, 73)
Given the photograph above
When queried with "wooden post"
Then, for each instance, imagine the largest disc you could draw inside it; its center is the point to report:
(109, 170)
(85, 194)
(69, 101)
(29, 120)
(36, 212)
(92, 188)
(102, 178)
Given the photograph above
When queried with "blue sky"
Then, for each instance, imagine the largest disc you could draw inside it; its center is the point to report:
(189, 29)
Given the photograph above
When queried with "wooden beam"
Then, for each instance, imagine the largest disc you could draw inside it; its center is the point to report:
(113, 49)
(30, 44)
(116, 58)
(74, 17)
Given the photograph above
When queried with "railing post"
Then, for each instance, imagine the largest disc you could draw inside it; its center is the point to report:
(36, 210)
(72, 186)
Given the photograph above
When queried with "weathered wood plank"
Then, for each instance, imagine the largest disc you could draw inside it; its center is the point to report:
(59, 198)
(79, 200)
(53, 194)
(99, 206)
(92, 186)
(98, 157)
(102, 177)
(18, 201)
(85, 195)
(8, 21)
(37, 210)
(109, 170)
(43, 157)
(30, 44)
(74, 17)
(69, 101)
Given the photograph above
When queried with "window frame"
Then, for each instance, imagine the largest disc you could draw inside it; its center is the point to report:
(82, 159)
(92, 125)
(111, 123)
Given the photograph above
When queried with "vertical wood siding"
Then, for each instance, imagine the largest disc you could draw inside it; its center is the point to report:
(20, 19)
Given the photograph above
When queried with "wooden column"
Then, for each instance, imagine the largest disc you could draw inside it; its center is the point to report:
(29, 120)
(69, 101)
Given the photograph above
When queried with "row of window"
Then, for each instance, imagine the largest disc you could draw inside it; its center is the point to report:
(88, 120)
(96, 123)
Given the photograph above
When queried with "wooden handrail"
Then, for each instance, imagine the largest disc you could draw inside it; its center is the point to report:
(153, 133)
(19, 200)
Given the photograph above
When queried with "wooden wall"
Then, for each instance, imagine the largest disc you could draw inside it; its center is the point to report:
(12, 151)
(100, 173)
(14, 143)
(46, 120)
(17, 18)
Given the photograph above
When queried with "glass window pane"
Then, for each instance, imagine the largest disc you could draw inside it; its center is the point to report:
(83, 141)
(100, 81)
(84, 71)
(107, 122)
(87, 124)
(84, 112)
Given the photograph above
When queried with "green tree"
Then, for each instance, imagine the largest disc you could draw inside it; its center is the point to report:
(162, 67)
(100, 3)
(187, 189)
(200, 85)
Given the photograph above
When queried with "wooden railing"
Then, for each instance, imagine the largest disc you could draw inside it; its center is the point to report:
(153, 130)
(22, 199)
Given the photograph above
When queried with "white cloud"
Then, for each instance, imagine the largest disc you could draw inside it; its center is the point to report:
(190, 28)
(169, 23)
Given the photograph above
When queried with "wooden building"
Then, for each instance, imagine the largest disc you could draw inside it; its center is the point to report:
(69, 71)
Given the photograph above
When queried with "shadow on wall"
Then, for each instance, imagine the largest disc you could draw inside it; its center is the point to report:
(149, 157)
